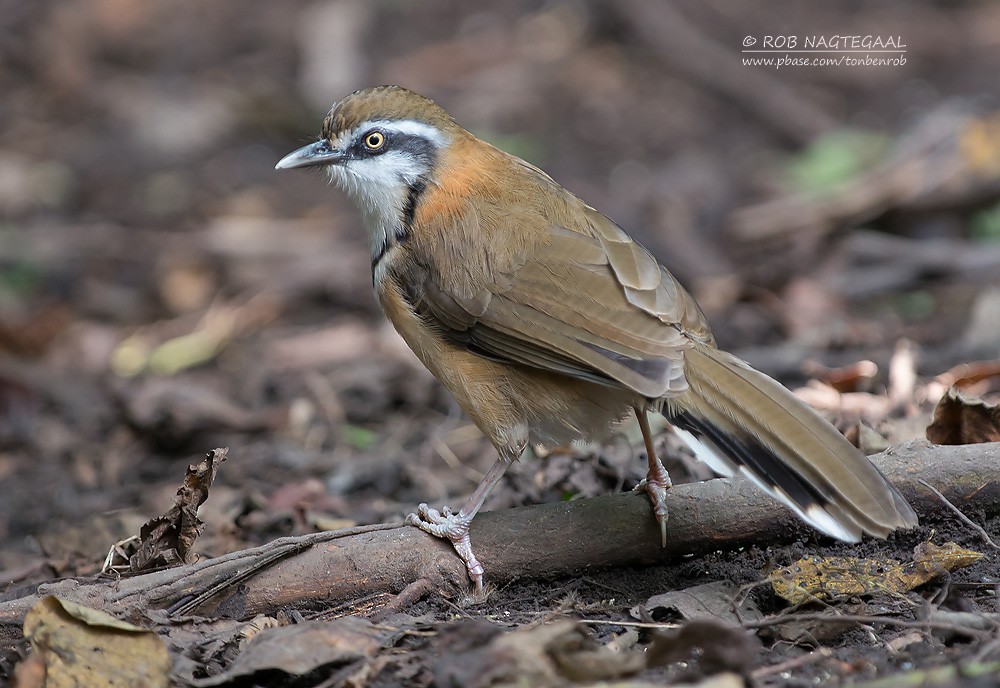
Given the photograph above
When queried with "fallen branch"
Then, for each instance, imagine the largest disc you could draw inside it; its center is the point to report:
(548, 540)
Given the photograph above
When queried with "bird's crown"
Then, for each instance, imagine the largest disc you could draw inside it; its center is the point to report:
(384, 103)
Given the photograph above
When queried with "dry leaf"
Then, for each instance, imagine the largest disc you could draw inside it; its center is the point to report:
(168, 539)
(965, 375)
(555, 654)
(294, 651)
(713, 601)
(81, 646)
(855, 377)
(962, 419)
(867, 439)
(161, 353)
(32, 334)
(705, 647)
(816, 577)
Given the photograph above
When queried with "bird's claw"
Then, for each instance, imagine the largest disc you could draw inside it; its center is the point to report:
(453, 527)
(656, 486)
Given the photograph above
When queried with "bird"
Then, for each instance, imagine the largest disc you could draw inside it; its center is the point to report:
(547, 323)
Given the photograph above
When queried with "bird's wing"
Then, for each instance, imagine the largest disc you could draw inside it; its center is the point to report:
(585, 301)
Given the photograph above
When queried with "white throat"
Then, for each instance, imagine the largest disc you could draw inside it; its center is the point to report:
(381, 206)
(380, 185)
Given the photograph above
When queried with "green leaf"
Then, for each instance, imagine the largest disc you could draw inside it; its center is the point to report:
(835, 159)
(359, 438)
(985, 224)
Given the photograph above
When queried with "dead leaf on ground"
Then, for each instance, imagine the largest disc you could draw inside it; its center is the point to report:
(867, 439)
(202, 646)
(712, 601)
(873, 408)
(706, 646)
(340, 648)
(81, 646)
(816, 577)
(963, 419)
(167, 540)
(968, 376)
(31, 335)
(854, 377)
(161, 353)
(556, 654)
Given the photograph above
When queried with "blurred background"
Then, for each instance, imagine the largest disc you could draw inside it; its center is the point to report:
(164, 291)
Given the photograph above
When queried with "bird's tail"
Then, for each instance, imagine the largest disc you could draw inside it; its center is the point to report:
(739, 420)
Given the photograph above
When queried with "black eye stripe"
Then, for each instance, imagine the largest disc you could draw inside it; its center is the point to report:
(417, 146)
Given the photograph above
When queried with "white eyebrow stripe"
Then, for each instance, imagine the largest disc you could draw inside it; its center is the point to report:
(408, 127)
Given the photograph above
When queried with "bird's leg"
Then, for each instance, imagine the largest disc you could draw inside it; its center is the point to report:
(455, 527)
(657, 480)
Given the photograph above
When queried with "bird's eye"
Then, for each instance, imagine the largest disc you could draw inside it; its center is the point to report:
(374, 140)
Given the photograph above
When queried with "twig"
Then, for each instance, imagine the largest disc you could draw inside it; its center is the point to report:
(965, 519)
(630, 624)
(794, 663)
(865, 620)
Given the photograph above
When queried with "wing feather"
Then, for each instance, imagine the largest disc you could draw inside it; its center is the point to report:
(577, 298)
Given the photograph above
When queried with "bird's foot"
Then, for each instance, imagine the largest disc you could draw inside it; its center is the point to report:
(655, 485)
(455, 528)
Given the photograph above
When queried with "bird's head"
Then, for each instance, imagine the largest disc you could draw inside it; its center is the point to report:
(380, 145)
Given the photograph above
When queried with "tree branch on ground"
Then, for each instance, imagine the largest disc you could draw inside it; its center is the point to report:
(558, 539)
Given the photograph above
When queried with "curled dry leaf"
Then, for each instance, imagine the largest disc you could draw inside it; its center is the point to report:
(81, 646)
(167, 540)
(816, 577)
(966, 375)
(963, 419)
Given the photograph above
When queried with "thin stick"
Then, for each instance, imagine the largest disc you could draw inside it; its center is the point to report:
(861, 619)
(965, 519)
(630, 624)
(794, 663)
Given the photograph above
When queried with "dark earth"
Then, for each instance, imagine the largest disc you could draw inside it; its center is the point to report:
(163, 291)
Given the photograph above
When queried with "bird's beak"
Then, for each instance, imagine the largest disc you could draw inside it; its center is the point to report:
(319, 153)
